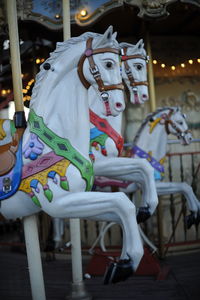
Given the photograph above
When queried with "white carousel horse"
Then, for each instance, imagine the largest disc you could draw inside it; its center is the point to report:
(57, 174)
(107, 143)
(150, 143)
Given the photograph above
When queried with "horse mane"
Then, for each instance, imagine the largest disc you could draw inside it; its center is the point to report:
(60, 48)
(148, 118)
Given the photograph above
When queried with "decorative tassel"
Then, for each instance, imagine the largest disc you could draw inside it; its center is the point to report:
(63, 183)
(34, 184)
(103, 151)
(35, 199)
(48, 193)
(52, 175)
(92, 157)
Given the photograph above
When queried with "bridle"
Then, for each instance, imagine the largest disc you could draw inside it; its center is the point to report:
(89, 52)
(128, 71)
(168, 121)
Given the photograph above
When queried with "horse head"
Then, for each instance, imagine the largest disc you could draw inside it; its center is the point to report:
(99, 71)
(176, 124)
(134, 71)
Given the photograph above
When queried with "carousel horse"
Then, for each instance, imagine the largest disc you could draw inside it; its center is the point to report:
(150, 143)
(105, 134)
(107, 143)
(49, 168)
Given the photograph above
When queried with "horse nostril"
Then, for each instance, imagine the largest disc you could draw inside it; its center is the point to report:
(144, 96)
(118, 104)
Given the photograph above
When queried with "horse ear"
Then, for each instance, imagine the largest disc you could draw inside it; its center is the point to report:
(140, 44)
(105, 38)
(114, 35)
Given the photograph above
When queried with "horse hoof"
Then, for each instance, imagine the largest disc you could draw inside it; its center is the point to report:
(190, 220)
(143, 214)
(119, 271)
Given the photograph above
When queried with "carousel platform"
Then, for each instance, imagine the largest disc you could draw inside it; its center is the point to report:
(181, 283)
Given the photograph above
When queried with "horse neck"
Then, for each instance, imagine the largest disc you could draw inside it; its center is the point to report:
(154, 142)
(64, 109)
(97, 107)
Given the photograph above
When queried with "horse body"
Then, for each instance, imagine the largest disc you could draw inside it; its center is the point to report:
(108, 163)
(56, 165)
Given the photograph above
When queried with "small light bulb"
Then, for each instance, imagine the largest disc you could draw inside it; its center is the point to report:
(37, 61)
(198, 60)
(173, 68)
(83, 12)
(154, 61)
(3, 92)
(190, 61)
(163, 65)
(183, 65)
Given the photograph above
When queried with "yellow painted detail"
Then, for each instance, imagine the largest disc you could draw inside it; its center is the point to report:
(2, 131)
(153, 124)
(60, 168)
(162, 160)
(150, 156)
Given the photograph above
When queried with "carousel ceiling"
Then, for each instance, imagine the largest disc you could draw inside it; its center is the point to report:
(88, 12)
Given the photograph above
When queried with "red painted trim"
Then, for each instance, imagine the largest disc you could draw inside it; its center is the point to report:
(104, 126)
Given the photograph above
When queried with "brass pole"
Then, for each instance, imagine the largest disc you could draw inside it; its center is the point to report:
(78, 287)
(152, 94)
(29, 222)
(15, 54)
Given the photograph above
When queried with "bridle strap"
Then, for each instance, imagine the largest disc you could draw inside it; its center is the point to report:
(128, 70)
(89, 52)
(170, 122)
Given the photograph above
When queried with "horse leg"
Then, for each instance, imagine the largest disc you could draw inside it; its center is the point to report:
(104, 206)
(136, 170)
(166, 188)
(58, 231)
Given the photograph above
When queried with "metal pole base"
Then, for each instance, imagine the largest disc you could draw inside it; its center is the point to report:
(78, 292)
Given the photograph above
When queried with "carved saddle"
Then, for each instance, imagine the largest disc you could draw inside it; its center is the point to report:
(10, 158)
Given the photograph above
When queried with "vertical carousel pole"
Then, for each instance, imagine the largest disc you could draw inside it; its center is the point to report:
(78, 288)
(152, 96)
(30, 223)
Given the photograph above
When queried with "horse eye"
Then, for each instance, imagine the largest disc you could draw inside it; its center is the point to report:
(139, 67)
(181, 123)
(109, 64)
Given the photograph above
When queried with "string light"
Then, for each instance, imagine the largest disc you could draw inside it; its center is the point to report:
(176, 69)
(37, 61)
(83, 13)
(3, 92)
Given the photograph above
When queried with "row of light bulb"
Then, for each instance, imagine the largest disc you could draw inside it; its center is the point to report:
(183, 65)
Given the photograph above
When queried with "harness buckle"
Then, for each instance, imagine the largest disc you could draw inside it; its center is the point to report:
(128, 71)
(7, 184)
(94, 71)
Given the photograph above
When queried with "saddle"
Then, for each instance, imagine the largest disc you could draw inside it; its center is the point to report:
(10, 158)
